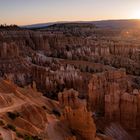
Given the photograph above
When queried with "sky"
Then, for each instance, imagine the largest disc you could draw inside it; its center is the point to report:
(24, 12)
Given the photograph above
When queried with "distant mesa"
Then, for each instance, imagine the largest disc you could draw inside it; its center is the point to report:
(123, 23)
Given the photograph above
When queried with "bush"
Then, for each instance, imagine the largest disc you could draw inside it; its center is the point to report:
(12, 115)
(35, 138)
(1, 123)
(56, 112)
(26, 137)
(44, 107)
(19, 135)
(11, 127)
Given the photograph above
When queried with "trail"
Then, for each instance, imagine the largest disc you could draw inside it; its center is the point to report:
(10, 108)
(51, 129)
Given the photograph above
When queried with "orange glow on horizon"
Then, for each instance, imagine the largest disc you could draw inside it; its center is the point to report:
(22, 13)
(136, 14)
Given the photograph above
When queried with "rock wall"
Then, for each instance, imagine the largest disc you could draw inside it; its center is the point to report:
(53, 81)
(112, 96)
(76, 116)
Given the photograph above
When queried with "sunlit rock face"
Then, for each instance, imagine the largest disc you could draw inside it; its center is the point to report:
(76, 117)
(112, 96)
(100, 85)
(17, 108)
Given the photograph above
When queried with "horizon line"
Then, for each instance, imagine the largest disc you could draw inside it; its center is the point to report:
(98, 20)
(80, 21)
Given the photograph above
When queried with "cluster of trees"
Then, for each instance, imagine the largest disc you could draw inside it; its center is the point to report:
(5, 26)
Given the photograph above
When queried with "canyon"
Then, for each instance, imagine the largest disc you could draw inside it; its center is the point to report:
(71, 81)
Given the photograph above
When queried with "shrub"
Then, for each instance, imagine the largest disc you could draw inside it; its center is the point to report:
(1, 123)
(12, 115)
(44, 107)
(56, 112)
(35, 138)
(11, 127)
(19, 135)
(26, 137)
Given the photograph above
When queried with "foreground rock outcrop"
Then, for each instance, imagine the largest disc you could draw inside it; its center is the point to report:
(17, 108)
(76, 116)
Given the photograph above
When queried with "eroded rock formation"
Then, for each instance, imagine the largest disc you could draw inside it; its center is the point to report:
(112, 96)
(66, 56)
(76, 116)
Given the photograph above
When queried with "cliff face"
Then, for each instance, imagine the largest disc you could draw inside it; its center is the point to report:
(112, 96)
(99, 86)
(86, 130)
(77, 118)
(55, 81)
(17, 108)
(84, 127)
(9, 50)
(12, 65)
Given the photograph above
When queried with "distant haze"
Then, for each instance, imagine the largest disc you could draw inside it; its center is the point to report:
(23, 12)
